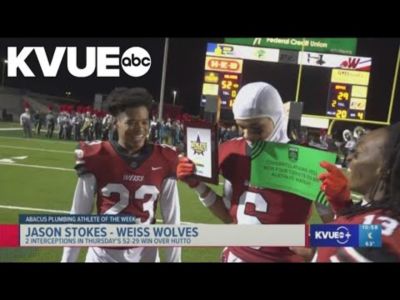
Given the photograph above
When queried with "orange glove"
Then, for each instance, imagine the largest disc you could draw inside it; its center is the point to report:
(185, 170)
(336, 186)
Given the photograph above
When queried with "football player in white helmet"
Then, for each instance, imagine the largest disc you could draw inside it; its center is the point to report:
(258, 111)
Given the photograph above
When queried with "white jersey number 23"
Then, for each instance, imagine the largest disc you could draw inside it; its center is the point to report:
(124, 196)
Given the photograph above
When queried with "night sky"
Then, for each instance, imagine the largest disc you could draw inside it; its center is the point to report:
(185, 70)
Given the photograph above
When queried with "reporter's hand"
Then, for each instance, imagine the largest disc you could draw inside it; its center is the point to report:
(336, 186)
(185, 170)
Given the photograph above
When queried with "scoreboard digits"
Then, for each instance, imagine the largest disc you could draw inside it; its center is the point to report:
(347, 98)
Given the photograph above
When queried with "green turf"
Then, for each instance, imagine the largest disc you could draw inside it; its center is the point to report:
(53, 189)
(9, 124)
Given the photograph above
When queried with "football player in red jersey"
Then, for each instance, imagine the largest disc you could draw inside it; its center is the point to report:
(128, 176)
(375, 173)
(258, 111)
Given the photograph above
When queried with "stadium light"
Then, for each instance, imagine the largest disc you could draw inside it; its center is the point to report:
(174, 92)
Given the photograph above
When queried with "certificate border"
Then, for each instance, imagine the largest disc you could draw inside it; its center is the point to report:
(214, 148)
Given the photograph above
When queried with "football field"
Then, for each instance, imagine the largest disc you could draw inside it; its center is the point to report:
(37, 177)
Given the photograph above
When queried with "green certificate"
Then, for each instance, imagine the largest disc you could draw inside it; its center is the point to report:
(289, 168)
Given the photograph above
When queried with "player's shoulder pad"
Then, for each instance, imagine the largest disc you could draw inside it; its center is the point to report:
(232, 144)
(230, 147)
(88, 149)
(84, 152)
(167, 151)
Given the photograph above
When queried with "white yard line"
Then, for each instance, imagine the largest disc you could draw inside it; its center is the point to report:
(36, 149)
(38, 140)
(34, 209)
(37, 167)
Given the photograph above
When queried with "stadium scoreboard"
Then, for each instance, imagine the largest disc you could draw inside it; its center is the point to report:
(333, 83)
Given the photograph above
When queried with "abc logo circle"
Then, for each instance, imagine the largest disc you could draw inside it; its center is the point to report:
(136, 61)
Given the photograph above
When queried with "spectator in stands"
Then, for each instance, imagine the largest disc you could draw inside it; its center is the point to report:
(76, 125)
(177, 140)
(221, 133)
(87, 123)
(153, 130)
(167, 132)
(50, 121)
(227, 134)
(68, 126)
(36, 118)
(107, 124)
(26, 123)
(40, 123)
(97, 127)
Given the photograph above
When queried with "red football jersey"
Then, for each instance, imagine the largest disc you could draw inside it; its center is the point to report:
(251, 205)
(126, 184)
(389, 252)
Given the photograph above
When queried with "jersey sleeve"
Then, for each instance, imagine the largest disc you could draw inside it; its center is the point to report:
(231, 157)
(85, 157)
(171, 159)
(171, 214)
(82, 203)
(80, 166)
(228, 192)
(224, 160)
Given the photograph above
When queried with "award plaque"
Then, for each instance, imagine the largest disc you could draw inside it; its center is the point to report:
(201, 147)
